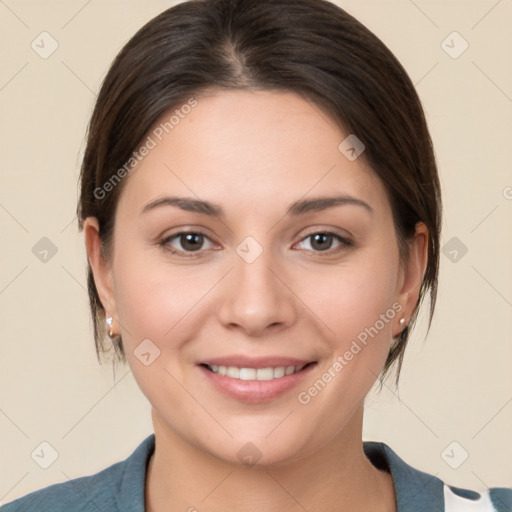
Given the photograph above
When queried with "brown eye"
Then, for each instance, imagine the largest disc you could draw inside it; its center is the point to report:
(191, 241)
(186, 242)
(323, 241)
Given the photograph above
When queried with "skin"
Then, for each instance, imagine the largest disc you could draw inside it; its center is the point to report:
(254, 153)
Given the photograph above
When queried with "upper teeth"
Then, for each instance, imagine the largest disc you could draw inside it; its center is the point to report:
(255, 373)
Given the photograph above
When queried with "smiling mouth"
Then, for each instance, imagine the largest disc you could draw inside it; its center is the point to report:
(269, 373)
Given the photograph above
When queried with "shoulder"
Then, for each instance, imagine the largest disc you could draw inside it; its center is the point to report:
(120, 487)
(422, 492)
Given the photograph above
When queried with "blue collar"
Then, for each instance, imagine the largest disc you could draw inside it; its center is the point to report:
(121, 487)
(414, 490)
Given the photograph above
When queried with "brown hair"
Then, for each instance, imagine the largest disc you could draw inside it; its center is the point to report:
(310, 47)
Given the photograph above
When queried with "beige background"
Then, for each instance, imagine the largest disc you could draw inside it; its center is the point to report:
(455, 386)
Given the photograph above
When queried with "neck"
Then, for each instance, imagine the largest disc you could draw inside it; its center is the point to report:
(338, 476)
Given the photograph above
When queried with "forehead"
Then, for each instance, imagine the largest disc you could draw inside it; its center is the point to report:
(266, 147)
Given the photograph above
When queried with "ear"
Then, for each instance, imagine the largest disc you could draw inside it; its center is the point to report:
(411, 275)
(101, 270)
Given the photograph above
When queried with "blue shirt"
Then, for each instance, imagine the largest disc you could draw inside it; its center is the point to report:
(120, 488)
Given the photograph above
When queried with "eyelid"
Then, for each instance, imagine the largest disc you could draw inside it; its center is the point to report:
(326, 229)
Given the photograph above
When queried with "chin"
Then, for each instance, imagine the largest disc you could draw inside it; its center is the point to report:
(258, 451)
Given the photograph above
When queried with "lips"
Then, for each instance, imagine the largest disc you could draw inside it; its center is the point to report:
(260, 368)
(255, 379)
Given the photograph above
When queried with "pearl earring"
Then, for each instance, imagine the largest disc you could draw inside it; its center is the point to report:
(402, 321)
(108, 323)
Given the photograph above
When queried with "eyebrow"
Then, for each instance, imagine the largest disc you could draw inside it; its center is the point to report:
(297, 208)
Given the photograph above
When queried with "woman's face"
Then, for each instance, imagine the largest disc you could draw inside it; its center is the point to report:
(253, 268)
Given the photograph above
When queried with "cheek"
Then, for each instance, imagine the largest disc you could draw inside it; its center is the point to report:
(151, 305)
(356, 302)
(351, 297)
(151, 297)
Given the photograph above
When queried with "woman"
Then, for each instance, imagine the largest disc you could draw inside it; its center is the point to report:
(262, 214)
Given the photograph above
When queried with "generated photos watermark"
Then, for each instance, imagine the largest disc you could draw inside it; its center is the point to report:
(342, 360)
(152, 140)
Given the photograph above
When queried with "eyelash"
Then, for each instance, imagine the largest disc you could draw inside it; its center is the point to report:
(345, 242)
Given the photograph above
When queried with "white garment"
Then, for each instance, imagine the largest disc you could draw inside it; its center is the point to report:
(455, 503)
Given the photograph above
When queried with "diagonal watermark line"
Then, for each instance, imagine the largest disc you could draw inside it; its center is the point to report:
(501, 409)
(198, 403)
(78, 77)
(13, 76)
(492, 81)
(73, 277)
(7, 493)
(409, 408)
(286, 490)
(99, 400)
(81, 490)
(206, 293)
(279, 423)
(76, 14)
(12, 12)
(14, 218)
(412, 411)
(486, 486)
(68, 224)
(14, 423)
(301, 300)
(427, 73)
(495, 289)
(485, 15)
(314, 185)
(424, 13)
(500, 502)
(217, 486)
(13, 279)
(484, 218)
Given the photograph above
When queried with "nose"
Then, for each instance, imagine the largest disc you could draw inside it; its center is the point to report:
(257, 297)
